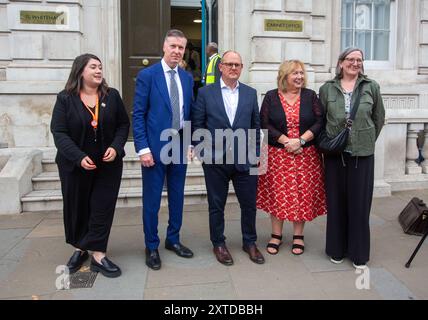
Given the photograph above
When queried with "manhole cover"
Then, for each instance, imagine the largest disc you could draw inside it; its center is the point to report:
(82, 279)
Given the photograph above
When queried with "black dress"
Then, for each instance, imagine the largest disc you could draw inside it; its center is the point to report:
(89, 197)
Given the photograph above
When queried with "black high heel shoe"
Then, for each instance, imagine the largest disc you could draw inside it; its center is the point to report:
(274, 245)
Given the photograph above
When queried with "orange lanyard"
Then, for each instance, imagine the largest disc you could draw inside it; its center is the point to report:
(94, 122)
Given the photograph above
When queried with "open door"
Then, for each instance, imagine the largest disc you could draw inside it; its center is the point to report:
(144, 25)
(209, 26)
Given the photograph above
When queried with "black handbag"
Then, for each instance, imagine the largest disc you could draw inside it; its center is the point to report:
(337, 144)
(414, 217)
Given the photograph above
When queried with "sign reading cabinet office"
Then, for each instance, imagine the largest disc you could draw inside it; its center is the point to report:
(283, 25)
(43, 17)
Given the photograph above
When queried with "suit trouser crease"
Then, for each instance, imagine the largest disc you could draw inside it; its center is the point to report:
(217, 178)
(349, 193)
(90, 199)
(152, 194)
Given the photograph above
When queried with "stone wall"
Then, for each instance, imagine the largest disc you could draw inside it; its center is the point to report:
(35, 61)
(403, 80)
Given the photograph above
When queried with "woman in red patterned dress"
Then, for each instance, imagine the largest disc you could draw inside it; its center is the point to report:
(293, 187)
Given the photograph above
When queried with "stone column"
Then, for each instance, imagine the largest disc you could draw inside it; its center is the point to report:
(407, 34)
(412, 150)
(111, 41)
(425, 151)
(226, 25)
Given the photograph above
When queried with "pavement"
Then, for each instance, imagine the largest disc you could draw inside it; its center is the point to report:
(32, 247)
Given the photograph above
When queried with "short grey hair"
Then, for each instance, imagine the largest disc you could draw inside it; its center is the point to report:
(175, 33)
(213, 45)
(342, 57)
(231, 51)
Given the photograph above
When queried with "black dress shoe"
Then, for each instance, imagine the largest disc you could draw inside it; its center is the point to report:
(179, 249)
(153, 260)
(107, 268)
(76, 260)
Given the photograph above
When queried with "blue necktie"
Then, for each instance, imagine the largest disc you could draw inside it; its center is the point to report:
(175, 101)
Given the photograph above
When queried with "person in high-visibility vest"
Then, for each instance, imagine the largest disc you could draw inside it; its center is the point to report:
(212, 73)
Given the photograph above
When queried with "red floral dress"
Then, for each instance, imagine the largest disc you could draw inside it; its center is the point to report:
(293, 187)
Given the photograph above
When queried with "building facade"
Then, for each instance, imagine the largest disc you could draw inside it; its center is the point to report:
(40, 38)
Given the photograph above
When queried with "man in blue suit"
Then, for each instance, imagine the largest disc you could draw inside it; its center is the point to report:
(163, 97)
(229, 106)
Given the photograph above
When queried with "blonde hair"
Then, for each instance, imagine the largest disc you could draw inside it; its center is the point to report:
(287, 68)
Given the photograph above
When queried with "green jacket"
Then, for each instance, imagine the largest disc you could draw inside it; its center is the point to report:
(368, 122)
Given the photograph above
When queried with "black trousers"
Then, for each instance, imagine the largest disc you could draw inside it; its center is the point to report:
(89, 203)
(349, 187)
(217, 178)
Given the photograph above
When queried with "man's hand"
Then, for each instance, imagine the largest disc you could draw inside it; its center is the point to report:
(110, 155)
(88, 164)
(190, 153)
(147, 160)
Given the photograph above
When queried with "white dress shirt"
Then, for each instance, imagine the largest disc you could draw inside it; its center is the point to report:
(230, 99)
(166, 70)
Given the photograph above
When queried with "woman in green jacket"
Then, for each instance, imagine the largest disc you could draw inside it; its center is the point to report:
(349, 177)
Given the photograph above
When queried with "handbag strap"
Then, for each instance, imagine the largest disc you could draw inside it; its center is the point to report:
(354, 109)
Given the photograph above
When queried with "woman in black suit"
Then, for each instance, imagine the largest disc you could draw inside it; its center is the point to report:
(90, 128)
(293, 187)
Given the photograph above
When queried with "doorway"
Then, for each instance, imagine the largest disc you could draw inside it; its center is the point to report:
(144, 24)
(189, 20)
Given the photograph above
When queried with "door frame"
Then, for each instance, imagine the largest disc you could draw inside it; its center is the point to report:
(112, 42)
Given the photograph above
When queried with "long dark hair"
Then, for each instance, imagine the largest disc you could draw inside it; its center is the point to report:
(75, 80)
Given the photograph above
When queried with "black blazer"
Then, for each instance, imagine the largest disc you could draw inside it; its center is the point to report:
(208, 112)
(68, 127)
(273, 118)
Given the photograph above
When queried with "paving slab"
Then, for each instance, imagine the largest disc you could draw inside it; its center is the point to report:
(9, 238)
(388, 286)
(341, 285)
(20, 221)
(48, 228)
(32, 246)
(211, 291)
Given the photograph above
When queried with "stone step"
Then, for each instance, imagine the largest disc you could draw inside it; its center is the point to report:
(51, 200)
(49, 180)
(129, 163)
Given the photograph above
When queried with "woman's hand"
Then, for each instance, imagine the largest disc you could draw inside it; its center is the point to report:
(283, 140)
(293, 145)
(110, 155)
(299, 151)
(88, 164)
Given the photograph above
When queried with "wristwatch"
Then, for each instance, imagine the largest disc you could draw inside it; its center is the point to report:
(302, 142)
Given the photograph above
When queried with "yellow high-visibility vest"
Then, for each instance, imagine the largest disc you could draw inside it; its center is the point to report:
(211, 70)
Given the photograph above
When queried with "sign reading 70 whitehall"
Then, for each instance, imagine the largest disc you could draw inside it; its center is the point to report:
(284, 25)
(43, 17)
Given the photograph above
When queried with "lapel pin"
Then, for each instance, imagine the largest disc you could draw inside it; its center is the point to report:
(103, 105)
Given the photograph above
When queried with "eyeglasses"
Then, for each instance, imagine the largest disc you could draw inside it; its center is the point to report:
(353, 60)
(231, 65)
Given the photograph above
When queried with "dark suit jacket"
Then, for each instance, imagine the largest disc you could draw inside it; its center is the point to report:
(209, 112)
(68, 127)
(273, 117)
(152, 107)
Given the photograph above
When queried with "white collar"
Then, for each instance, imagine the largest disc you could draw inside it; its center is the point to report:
(223, 85)
(166, 67)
